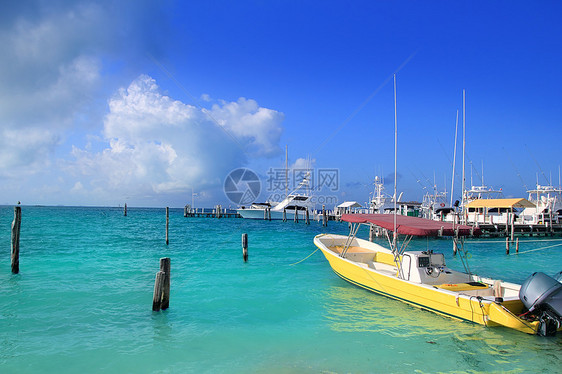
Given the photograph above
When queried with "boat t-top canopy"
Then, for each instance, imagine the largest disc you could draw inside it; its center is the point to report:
(500, 203)
(414, 226)
(349, 204)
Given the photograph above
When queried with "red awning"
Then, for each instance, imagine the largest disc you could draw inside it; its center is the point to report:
(406, 225)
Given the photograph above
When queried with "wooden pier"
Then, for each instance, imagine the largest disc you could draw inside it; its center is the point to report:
(505, 230)
(216, 212)
(212, 215)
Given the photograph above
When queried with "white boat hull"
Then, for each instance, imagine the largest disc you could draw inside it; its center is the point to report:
(275, 215)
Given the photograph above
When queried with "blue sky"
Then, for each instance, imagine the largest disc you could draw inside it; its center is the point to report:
(144, 101)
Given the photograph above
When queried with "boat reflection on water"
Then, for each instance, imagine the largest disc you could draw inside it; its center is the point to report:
(353, 310)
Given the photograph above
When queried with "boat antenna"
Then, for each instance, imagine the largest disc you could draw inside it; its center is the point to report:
(463, 150)
(454, 157)
(538, 165)
(395, 172)
(516, 170)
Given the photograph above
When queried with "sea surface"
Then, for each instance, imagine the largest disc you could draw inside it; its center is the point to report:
(82, 302)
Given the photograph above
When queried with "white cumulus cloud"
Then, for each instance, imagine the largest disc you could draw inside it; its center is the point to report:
(158, 145)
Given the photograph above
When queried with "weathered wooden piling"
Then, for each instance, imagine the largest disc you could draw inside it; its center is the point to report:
(157, 297)
(517, 245)
(167, 223)
(506, 246)
(15, 252)
(307, 218)
(296, 215)
(285, 214)
(269, 213)
(371, 233)
(324, 216)
(165, 266)
(125, 210)
(161, 298)
(185, 211)
(245, 247)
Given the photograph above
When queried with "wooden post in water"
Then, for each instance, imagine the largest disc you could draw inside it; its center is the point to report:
(517, 245)
(167, 223)
(307, 218)
(161, 297)
(371, 233)
(165, 265)
(15, 252)
(125, 210)
(324, 216)
(285, 214)
(296, 215)
(506, 246)
(185, 211)
(245, 247)
(512, 225)
(269, 213)
(157, 297)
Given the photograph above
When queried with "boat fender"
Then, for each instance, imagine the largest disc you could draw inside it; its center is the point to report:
(498, 292)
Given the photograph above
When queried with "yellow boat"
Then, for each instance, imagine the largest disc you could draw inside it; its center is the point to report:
(422, 279)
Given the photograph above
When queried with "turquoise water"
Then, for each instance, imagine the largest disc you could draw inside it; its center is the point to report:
(82, 302)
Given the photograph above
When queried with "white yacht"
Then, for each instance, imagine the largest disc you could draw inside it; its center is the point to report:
(297, 203)
(548, 205)
(380, 201)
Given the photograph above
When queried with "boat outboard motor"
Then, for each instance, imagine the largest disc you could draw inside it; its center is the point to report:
(542, 295)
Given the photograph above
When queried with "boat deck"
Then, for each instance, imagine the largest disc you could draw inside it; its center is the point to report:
(379, 261)
(383, 263)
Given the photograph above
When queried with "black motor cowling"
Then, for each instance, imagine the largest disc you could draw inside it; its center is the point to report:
(542, 296)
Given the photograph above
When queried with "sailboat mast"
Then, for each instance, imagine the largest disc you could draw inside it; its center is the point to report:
(286, 171)
(454, 157)
(395, 163)
(463, 152)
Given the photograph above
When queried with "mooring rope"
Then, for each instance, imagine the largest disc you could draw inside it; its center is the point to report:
(538, 249)
(298, 262)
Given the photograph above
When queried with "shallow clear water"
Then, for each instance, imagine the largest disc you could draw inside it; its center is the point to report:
(82, 301)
